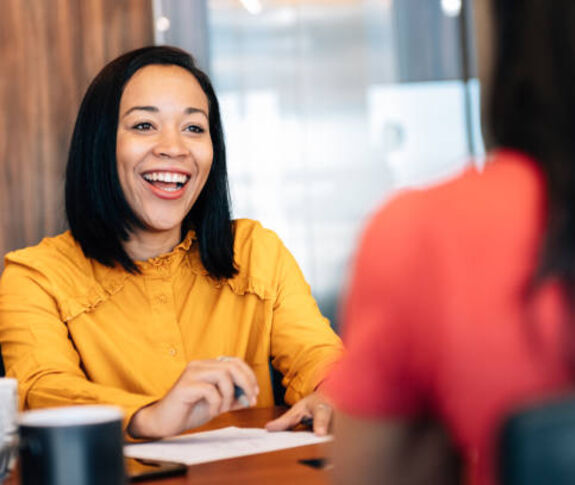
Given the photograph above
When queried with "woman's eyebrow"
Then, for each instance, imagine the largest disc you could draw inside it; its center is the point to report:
(154, 109)
(190, 111)
(151, 109)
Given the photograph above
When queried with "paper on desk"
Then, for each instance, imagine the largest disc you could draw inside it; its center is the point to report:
(219, 444)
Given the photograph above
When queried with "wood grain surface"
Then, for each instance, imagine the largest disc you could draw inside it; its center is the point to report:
(49, 52)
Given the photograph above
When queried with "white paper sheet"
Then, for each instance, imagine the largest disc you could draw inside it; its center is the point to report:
(219, 444)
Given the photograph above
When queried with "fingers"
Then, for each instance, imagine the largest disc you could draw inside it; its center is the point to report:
(191, 396)
(313, 407)
(203, 390)
(225, 385)
(289, 419)
(229, 375)
(243, 376)
(322, 416)
(204, 403)
(181, 409)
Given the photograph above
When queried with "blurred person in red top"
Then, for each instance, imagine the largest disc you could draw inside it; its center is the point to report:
(460, 306)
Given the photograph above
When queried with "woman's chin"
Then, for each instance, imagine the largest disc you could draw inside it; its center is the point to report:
(162, 226)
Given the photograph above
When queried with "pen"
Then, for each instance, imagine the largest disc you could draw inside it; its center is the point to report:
(240, 396)
(307, 421)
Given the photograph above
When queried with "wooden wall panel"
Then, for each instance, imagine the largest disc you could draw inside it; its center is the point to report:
(49, 52)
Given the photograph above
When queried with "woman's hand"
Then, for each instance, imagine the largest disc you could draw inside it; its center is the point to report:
(314, 406)
(204, 390)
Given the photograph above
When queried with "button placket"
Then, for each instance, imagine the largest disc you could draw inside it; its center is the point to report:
(168, 333)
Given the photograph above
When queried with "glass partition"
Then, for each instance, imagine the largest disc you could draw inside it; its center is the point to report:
(330, 106)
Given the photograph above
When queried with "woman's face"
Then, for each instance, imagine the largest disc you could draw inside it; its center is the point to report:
(164, 150)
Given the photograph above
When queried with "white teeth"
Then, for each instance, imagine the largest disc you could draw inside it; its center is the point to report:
(168, 177)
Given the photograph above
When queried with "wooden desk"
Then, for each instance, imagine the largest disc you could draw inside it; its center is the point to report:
(275, 468)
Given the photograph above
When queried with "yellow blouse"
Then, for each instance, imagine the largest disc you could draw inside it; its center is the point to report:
(74, 331)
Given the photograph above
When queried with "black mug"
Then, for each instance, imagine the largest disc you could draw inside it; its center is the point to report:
(79, 445)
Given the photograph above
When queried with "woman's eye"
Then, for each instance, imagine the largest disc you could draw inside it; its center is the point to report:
(195, 129)
(144, 126)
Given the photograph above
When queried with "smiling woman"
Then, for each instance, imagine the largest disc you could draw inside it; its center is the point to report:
(155, 300)
(129, 102)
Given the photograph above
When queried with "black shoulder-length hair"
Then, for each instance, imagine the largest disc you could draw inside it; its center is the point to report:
(99, 216)
(532, 108)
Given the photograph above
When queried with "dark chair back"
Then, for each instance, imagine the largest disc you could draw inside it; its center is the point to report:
(537, 445)
(277, 387)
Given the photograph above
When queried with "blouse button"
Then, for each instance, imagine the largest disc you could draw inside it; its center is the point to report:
(162, 299)
(172, 352)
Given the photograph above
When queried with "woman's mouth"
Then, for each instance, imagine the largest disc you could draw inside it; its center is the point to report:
(166, 181)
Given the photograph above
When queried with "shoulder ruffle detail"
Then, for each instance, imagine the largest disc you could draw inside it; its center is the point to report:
(241, 285)
(72, 307)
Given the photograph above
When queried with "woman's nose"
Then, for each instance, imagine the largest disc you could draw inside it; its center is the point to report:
(170, 144)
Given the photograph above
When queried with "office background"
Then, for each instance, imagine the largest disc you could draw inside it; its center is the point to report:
(329, 106)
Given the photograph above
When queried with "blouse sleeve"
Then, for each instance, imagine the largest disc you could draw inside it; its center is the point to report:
(38, 352)
(303, 345)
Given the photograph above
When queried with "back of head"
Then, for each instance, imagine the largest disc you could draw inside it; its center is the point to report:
(532, 108)
(532, 101)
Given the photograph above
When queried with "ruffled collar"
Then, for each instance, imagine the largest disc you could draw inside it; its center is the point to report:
(168, 259)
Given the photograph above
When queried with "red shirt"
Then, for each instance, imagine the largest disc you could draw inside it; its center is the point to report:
(436, 320)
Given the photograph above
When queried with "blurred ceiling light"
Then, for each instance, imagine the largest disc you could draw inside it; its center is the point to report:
(451, 8)
(252, 6)
(162, 24)
(281, 17)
